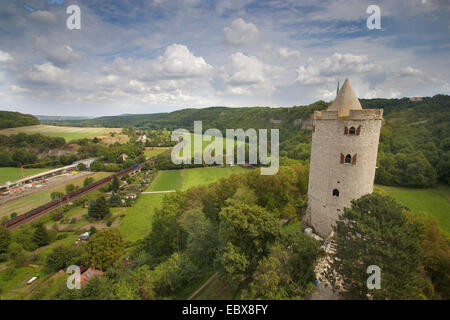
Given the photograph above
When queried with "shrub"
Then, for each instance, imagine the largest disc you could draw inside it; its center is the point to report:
(61, 236)
(57, 215)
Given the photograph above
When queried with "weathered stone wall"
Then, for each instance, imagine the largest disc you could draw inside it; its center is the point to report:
(328, 173)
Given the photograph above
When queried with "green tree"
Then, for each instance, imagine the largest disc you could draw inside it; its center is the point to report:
(115, 184)
(56, 195)
(436, 248)
(115, 200)
(40, 235)
(288, 272)
(70, 188)
(267, 283)
(62, 257)
(88, 181)
(98, 288)
(104, 248)
(98, 209)
(167, 236)
(97, 166)
(92, 231)
(233, 264)
(92, 209)
(375, 231)
(202, 240)
(5, 239)
(250, 228)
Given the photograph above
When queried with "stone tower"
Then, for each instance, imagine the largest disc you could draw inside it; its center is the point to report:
(343, 158)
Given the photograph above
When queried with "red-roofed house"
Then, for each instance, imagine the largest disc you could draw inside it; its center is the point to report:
(89, 274)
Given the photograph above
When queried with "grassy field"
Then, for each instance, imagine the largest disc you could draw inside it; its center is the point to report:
(13, 174)
(187, 178)
(433, 201)
(153, 153)
(39, 198)
(68, 133)
(137, 221)
(206, 143)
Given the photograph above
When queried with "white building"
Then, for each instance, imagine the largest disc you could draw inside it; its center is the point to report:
(343, 158)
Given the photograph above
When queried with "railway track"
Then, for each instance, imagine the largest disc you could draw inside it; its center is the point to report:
(64, 200)
(50, 209)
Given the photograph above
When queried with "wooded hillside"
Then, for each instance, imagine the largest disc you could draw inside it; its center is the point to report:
(9, 119)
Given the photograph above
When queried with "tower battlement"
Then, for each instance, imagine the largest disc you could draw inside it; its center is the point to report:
(376, 114)
(343, 158)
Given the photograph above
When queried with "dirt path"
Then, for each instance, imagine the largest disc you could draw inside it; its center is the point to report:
(153, 181)
(153, 192)
(203, 286)
(157, 148)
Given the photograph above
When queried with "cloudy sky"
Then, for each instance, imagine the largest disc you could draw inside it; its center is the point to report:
(158, 56)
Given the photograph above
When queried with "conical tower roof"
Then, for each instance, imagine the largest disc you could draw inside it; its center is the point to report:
(346, 100)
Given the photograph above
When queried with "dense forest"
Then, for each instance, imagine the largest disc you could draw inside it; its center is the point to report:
(24, 149)
(414, 145)
(33, 150)
(9, 119)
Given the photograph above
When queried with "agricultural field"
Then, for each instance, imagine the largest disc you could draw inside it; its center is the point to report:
(150, 153)
(432, 201)
(206, 143)
(137, 221)
(68, 133)
(187, 178)
(13, 174)
(34, 200)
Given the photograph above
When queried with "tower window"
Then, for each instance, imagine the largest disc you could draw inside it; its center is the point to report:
(335, 193)
(352, 130)
(348, 159)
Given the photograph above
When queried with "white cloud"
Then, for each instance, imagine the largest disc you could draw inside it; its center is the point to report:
(285, 53)
(244, 70)
(5, 56)
(211, 57)
(241, 33)
(246, 75)
(410, 72)
(43, 16)
(178, 61)
(328, 68)
(60, 56)
(176, 76)
(324, 94)
(19, 89)
(46, 73)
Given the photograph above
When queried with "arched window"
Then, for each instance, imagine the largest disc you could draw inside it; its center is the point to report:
(348, 159)
(335, 193)
(352, 130)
